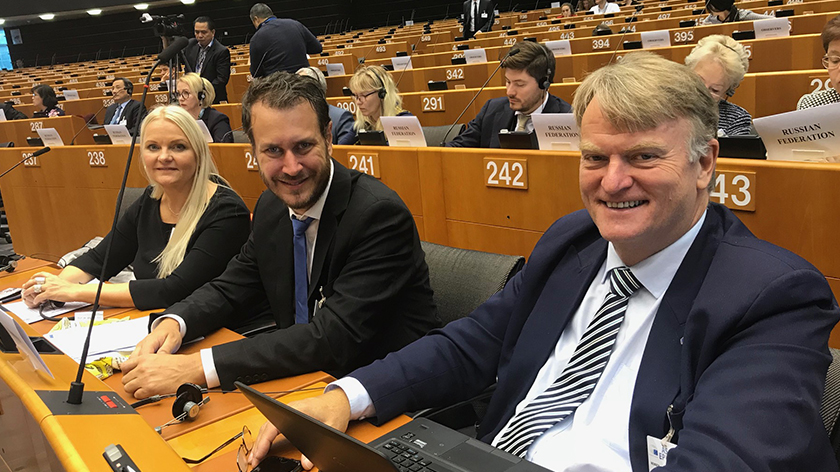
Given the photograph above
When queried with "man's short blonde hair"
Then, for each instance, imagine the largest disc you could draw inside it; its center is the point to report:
(644, 90)
(727, 52)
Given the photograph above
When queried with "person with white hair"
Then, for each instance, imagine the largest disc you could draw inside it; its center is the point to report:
(342, 120)
(721, 62)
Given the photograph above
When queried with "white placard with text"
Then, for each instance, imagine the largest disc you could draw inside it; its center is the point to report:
(71, 94)
(50, 137)
(2, 115)
(656, 39)
(475, 56)
(401, 62)
(118, 133)
(560, 47)
(555, 4)
(335, 69)
(556, 131)
(403, 131)
(812, 134)
(771, 28)
(205, 131)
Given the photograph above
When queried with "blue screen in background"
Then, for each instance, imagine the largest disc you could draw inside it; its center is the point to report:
(5, 58)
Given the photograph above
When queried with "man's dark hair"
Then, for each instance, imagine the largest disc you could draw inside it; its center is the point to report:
(211, 25)
(282, 90)
(47, 95)
(533, 58)
(261, 11)
(129, 87)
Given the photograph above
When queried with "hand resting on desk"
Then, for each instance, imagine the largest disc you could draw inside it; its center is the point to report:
(153, 370)
(331, 408)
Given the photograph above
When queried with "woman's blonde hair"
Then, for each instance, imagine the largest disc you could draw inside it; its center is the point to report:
(375, 78)
(727, 52)
(173, 254)
(198, 84)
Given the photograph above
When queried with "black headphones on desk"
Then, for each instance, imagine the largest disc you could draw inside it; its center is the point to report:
(188, 403)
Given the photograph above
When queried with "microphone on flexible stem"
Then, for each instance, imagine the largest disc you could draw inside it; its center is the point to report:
(73, 141)
(512, 52)
(37, 153)
(626, 29)
(77, 388)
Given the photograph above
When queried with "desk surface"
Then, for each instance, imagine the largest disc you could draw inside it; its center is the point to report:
(78, 446)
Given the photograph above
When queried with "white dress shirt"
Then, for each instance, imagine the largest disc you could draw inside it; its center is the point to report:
(529, 125)
(314, 212)
(596, 437)
(610, 7)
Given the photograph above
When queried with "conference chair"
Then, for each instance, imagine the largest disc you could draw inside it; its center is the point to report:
(462, 280)
(830, 410)
(435, 135)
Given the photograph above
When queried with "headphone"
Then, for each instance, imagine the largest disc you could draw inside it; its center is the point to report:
(202, 94)
(382, 92)
(9, 263)
(187, 404)
(129, 87)
(545, 82)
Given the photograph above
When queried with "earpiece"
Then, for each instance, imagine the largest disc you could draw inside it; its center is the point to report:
(201, 96)
(545, 82)
(382, 92)
(188, 401)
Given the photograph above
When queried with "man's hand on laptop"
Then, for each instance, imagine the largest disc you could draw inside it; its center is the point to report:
(331, 408)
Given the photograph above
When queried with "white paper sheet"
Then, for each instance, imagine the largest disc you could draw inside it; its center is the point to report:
(30, 315)
(23, 343)
(122, 336)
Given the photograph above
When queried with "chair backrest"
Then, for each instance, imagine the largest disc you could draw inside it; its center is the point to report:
(240, 136)
(130, 196)
(435, 135)
(463, 279)
(830, 409)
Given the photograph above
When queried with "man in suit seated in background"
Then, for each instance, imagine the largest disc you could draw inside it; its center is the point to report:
(529, 70)
(478, 16)
(334, 252)
(209, 58)
(652, 316)
(125, 110)
(342, 120)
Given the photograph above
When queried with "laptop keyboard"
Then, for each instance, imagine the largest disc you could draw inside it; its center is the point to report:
(408, 459)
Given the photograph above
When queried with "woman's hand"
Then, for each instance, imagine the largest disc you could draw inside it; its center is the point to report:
(44, 286)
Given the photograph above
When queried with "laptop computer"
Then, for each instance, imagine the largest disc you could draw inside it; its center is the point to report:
(744, 147)
(518, 140)
(418, 446)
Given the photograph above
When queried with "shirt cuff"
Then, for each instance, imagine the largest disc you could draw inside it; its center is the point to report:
(361, 406)
(210, 374)
(182, 326)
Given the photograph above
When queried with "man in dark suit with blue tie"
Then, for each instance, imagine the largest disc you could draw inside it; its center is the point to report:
(529, 71)
(209, 58)
(125, 110)
(652, 321)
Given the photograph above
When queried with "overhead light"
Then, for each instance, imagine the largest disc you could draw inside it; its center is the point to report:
(187, 2)
(2, 21)
(141, 6)
(47, 16)
(95, 11)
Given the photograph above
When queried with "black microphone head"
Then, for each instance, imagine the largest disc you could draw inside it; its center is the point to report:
(41, 151)
(173, 49)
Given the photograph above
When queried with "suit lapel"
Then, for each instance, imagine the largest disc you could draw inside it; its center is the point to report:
(334, 207)
(663, 368)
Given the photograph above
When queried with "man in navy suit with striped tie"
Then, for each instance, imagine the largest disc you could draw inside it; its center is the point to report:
(652, 321)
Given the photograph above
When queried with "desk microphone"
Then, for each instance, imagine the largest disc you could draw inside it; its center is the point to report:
(73, 141)
(77, 388)
(229, 132)
(626, 29)
(512, 52)
(37, 153)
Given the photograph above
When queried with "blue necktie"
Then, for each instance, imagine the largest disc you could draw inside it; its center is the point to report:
(116, 118)
(301, 278)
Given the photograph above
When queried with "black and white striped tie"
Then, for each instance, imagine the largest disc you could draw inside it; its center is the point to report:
(580, 376)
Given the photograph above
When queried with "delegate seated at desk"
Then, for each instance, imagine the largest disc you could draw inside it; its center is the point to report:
(181, 233)
(652, 310)
(334, 252)
(529, 70)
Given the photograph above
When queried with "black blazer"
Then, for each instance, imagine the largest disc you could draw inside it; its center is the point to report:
(132, 113)
(368, 266)
(483, 22)
(219, 125)
(496, 115)
(216, 66)
(739, 346)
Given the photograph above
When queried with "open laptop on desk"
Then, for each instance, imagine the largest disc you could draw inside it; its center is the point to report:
(418, 446)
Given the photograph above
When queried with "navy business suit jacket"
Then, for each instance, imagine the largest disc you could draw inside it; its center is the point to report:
(216, 66)
(738, 346)
(368, 266)
(496, 115)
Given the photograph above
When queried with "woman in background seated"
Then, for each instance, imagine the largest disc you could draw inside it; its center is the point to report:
(831, 61)
(196, 95)
(725, 11)
(45, 102)
(376, 96)
(178, 235)
(722, 63)
(567, 10)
